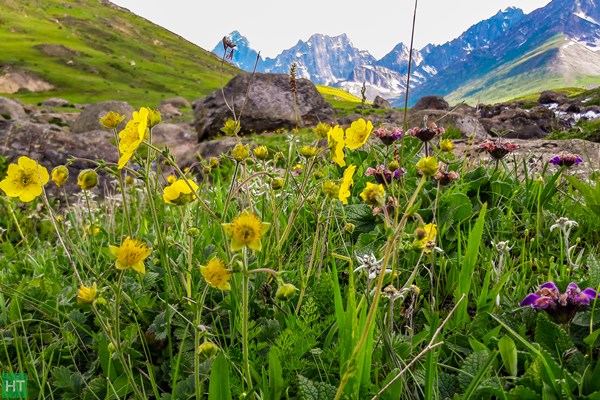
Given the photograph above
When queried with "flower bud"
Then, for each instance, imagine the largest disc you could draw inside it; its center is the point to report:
(87, 179)
(154, 118)
(349, 228)
(60, 175)
(285, 292)
(240, 152)
(111, 347)
(86, 294)
(129, 180)
(193, 232)
(207, 350)
(214, 162)
(446, 145)
(427, 165)
(277, 183)
(308, 151)
(393, 165)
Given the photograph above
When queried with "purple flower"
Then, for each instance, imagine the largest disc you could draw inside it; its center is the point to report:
(388, 136)
(384, 175)
(566, 159)
(561, 307)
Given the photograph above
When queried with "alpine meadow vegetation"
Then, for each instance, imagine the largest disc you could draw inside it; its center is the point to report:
(366, 262)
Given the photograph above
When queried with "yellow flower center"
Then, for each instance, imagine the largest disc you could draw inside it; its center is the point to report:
(246, 228)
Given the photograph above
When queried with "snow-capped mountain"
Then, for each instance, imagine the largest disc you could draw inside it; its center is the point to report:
(558, 45)
(243, 55)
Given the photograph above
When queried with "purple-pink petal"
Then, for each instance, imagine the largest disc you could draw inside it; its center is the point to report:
(529, 300)
(549, 285)
(590, 293)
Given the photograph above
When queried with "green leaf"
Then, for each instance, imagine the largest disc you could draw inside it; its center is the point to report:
(551, 336)
(508, 353)
(310, 390)
(361, 215)
(275, 376)
(454, 207)
(523, 393)
(471, 367)
(218, 387)
(159, 326)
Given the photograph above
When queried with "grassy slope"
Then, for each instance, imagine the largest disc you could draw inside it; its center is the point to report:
(116, 54)
(527, 75)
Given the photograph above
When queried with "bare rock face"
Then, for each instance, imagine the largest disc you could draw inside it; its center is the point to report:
(549, 97)
(265, 102)
(89, 119)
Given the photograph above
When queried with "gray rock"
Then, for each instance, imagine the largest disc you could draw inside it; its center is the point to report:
(11, 109)
(55, 102)
(89, 119)
(268, 105)
(431, 103)
(380, 102)
(168, 111)
(179, 102)
(467, 124)
(549, 97)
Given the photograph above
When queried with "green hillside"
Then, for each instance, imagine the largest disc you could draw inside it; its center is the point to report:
(92, 50)
(533, 72)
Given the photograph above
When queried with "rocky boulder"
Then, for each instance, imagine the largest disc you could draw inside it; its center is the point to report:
(431, 103)
(11, 109)
(549, 97)
(55, 102)
(380, 102)
(178, 102)
(89, 119)
(265, 103)
(467, 124)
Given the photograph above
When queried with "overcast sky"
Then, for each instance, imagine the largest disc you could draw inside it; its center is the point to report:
(272, 26)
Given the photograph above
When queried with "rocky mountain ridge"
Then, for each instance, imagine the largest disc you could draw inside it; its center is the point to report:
(557, 46)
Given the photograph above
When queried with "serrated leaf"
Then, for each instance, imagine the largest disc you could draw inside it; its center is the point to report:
(454, 207)
(310, 390)
(448, 385)
(150, 279)
(551, 336)
(361, 215)
(523, 393)
(593, 265)
(471, 367)
(159, 326)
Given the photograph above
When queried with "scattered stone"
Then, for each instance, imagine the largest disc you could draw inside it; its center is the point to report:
(13, 81)
(265, 102)
(55, 102)
(89, 119)
(380, 102)
(469, 125)
(168, 111)
(179, 102)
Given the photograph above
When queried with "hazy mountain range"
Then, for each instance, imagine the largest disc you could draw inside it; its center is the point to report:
(507, 55)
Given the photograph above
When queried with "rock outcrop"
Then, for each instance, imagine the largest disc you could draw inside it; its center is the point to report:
(265, 103)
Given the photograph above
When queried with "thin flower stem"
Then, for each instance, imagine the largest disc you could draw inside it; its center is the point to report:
(430, 346)
(122, 187)
(60, 239)
(198, 335)
(14, 218)
(245, 306)
(388, 254)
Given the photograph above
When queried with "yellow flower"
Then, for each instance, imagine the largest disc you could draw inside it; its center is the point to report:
(428, 165)
(86, 294)
(180, 193)
(335, 142)
(331, 189)
(246, 230)
(132, 136)
(347, 182)
(308, 151)
(60, 175)
(231, 127)
(261, 152)
(25, 179)
(215, 273)
(373, 194)
(87, 179)
(171, 179)
(240, 152)
(322, 130)
(111, 120)
(446, 145)
(425, 235)
(131, 254)
(358, 133)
